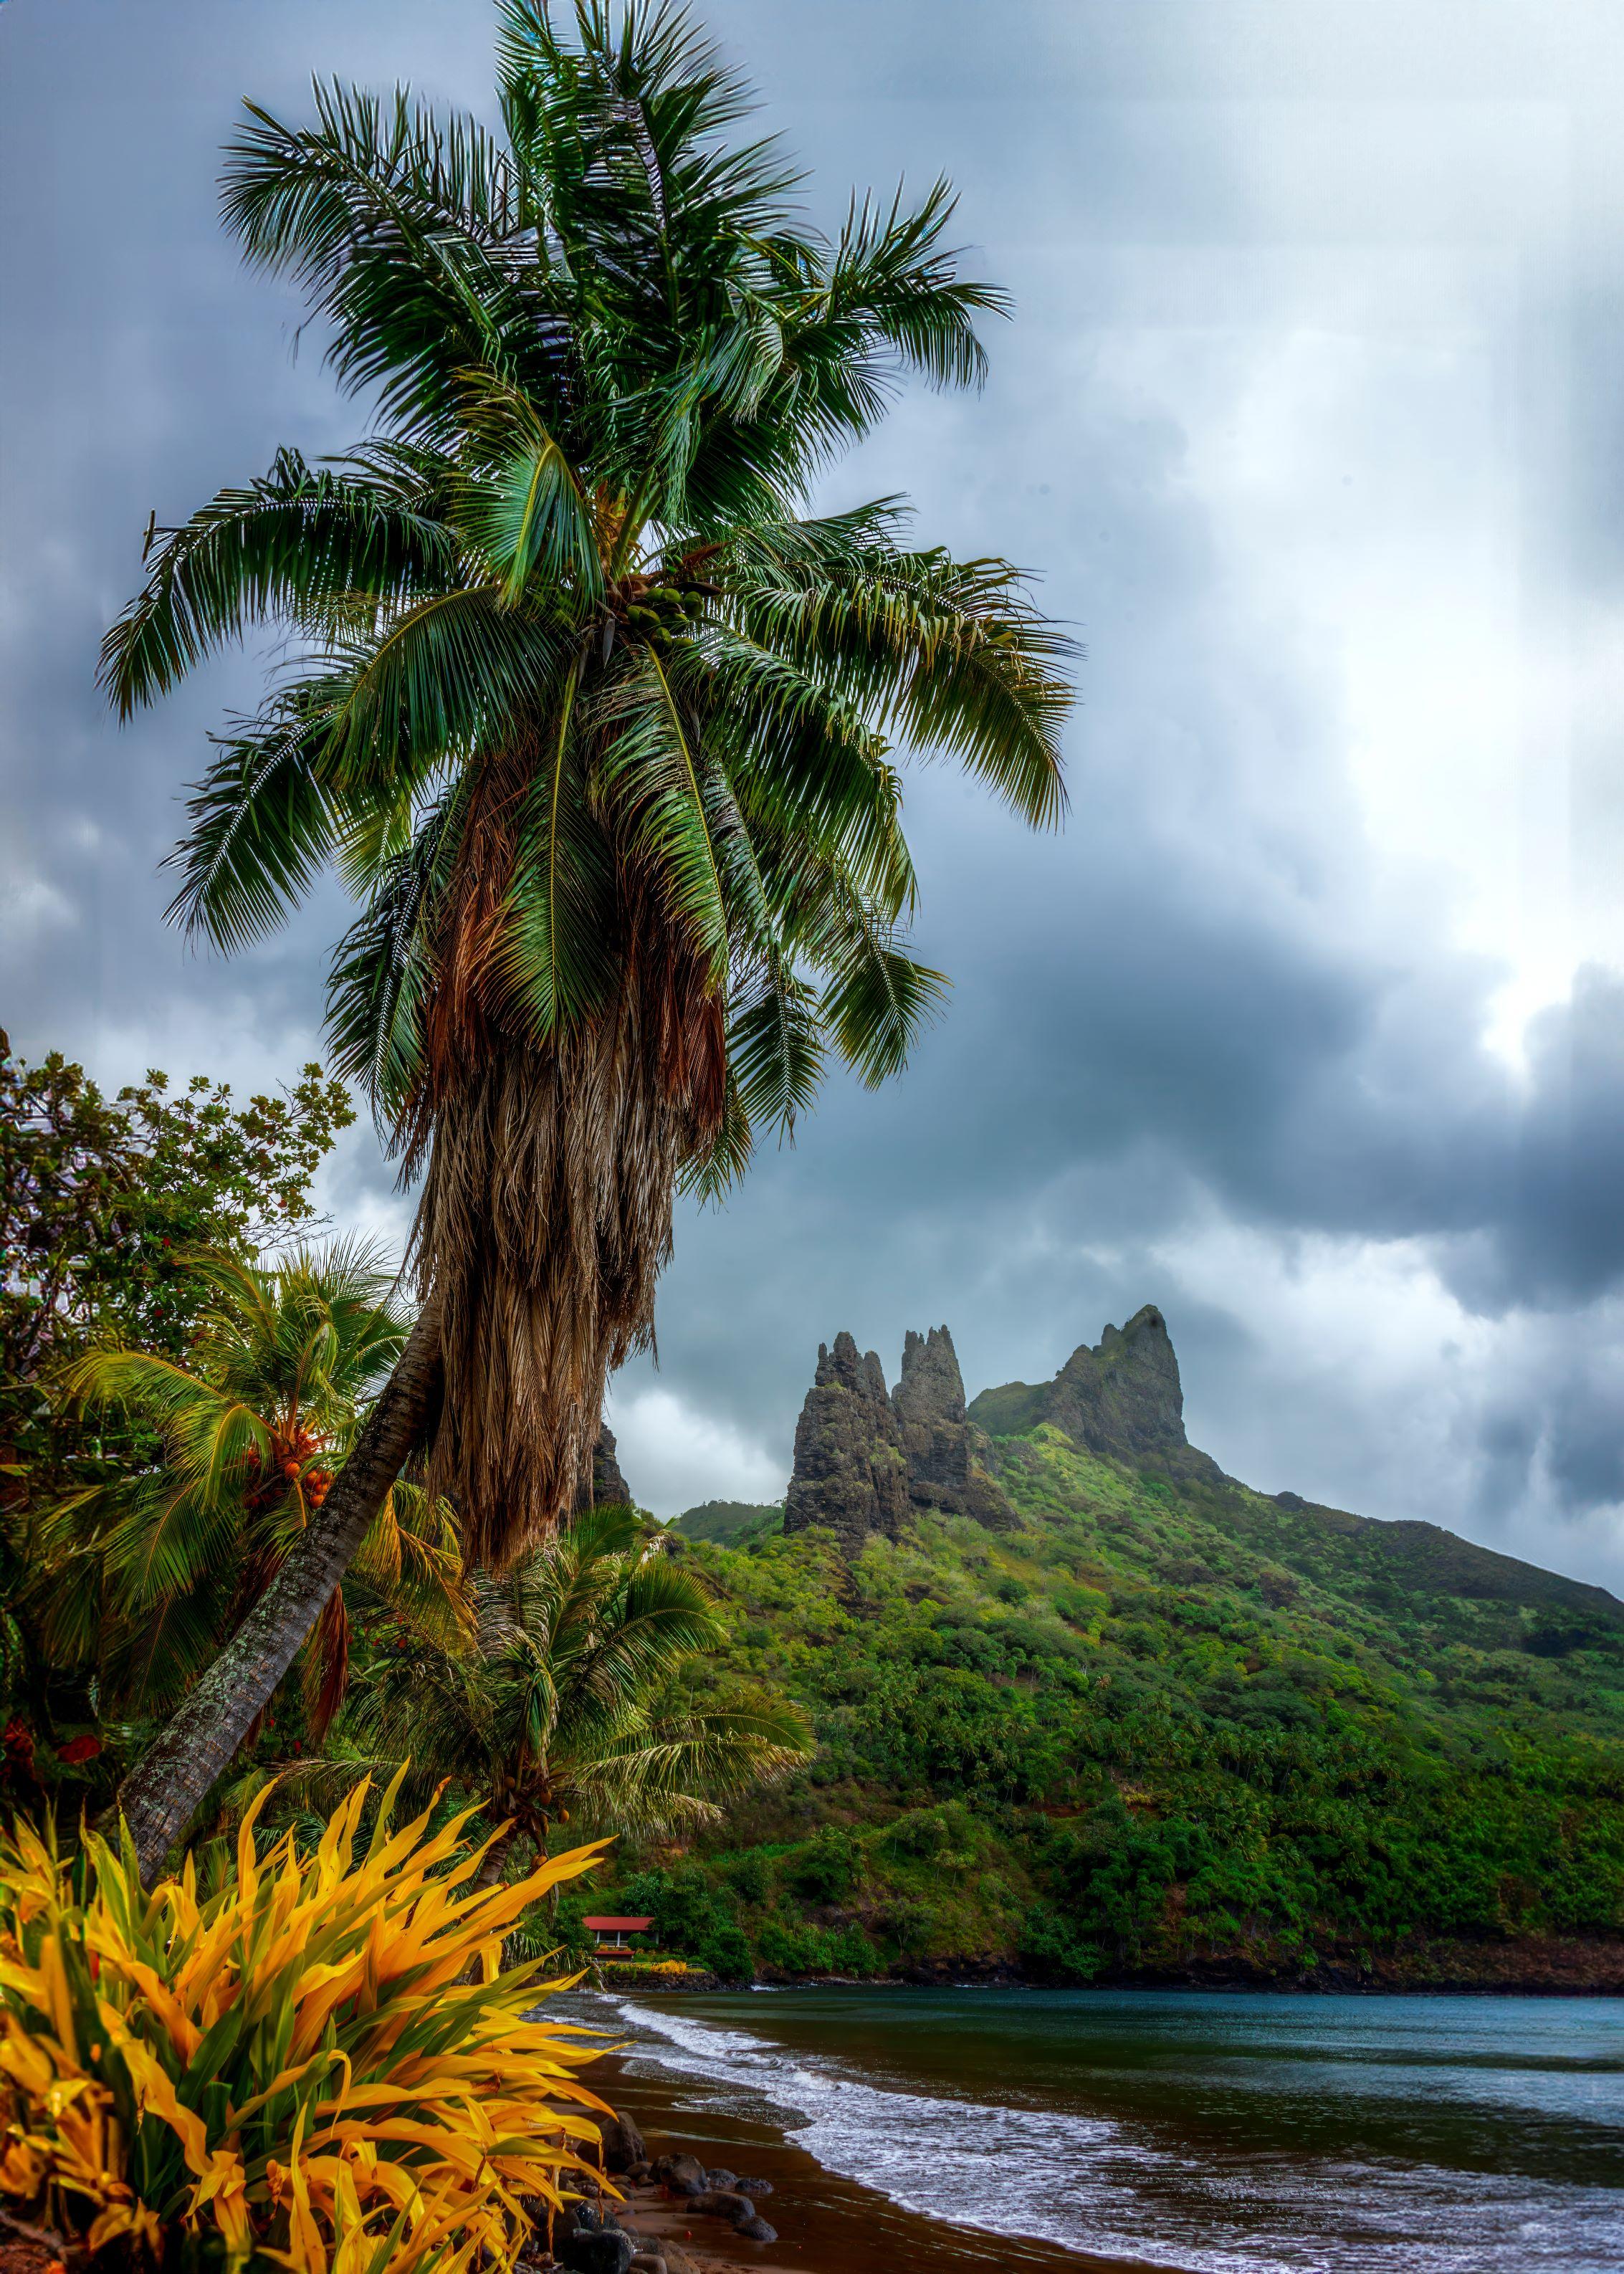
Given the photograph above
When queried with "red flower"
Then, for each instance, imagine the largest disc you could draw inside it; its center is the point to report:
(79, 1749)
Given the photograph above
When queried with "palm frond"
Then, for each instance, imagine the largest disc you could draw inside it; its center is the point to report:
(400, 226)
(520, 503)
(263, 824)
(279, 549)
(653, 776)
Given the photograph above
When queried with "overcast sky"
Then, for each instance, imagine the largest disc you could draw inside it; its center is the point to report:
(1310, 1027)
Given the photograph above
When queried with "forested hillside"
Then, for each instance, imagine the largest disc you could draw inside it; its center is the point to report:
(1138, 1719)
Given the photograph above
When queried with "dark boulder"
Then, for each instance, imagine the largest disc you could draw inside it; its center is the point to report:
(738, 2210)
(684, 2175)
(623, 2142)
(723, 2203)
(595, 2250)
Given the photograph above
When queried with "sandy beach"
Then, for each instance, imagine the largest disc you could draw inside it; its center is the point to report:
(827, 2224)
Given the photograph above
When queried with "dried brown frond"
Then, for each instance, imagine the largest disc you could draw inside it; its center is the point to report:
(545, 1215)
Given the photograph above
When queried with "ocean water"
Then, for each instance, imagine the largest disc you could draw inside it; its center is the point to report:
(1221, 2132)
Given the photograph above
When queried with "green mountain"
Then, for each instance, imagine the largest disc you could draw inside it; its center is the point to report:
(725, 1519)
(1086, 1706)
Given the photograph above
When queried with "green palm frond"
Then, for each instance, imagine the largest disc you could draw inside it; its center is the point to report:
(282, 548)
(398, 225)
(652, 775)
(263, 824)
(440, 677)
(948, 653)
(892, 275)
(601, 728)
(144, 1581)
(520, 503)
(566, 1697)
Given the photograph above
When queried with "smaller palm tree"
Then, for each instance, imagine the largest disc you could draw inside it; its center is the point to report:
(145, 1579)
(573, 1704)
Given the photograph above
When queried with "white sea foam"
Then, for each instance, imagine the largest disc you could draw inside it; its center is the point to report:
(1091, 2183)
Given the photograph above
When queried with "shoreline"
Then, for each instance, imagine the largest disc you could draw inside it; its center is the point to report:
(1552, 1967)
(826, 2223)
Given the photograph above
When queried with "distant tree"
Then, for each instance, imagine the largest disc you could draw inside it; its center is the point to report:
(102, 1200)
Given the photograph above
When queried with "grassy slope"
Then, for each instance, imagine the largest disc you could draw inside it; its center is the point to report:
(722, 1520)
(1160, 1727)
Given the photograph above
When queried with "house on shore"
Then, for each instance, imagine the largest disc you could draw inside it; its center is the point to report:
(609, 1934)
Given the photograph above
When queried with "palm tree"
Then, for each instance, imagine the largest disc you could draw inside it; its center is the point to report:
(599, 725)
(143, 1579)
(569, 1705)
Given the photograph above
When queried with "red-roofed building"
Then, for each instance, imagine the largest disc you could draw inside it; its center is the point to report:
(610, 1934)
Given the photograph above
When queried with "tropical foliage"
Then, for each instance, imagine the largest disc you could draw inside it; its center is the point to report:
(598, 724)
(102, 1202)
(296, 2067)
(105, 1202)
(1158, 1728)
(144, 1578)
(575, 1701)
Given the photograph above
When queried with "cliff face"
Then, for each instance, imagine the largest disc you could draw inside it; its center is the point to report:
(1121, 1399)
(608, 1489)
(945, 1451)
(850, 1471)
(863, 1458)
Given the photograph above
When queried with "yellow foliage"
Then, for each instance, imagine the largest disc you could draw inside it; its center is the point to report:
(294, 2070)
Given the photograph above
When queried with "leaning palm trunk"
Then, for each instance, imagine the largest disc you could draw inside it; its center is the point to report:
(159, 1796)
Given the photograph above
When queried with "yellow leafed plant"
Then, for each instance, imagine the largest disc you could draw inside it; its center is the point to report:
(296, 2070)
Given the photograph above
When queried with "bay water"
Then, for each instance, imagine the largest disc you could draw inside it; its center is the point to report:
(1223, 2133)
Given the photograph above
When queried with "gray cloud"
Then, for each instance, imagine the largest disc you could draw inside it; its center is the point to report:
(1228, 1042)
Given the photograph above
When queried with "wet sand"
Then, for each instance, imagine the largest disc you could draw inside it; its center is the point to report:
(827, 2224)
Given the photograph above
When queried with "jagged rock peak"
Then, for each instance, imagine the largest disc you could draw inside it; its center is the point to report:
(604, 1487)
(850, 1473)
(930, 1387)
(1122, 1398)
(858, 1372)
(862, 1457)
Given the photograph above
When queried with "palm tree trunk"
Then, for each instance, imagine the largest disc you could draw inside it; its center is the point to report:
(159, 1795)
(489, 1873)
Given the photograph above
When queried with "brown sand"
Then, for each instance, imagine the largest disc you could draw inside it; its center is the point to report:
(827, 2224)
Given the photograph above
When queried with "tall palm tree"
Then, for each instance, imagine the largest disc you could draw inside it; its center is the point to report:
(145, 1578)
(569, 1704)
(599, 725)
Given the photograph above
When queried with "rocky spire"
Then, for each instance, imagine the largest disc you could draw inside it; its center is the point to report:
(862, 1458)
(945, 1453)
(930, 1388)
(606, 1487)
(1122, 1398)
(850, 1471)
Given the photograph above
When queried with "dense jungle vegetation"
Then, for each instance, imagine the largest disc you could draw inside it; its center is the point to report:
(1156, 1727)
